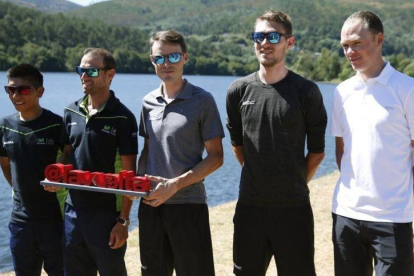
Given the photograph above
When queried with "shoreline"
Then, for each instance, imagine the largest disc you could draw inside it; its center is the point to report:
(221, 224)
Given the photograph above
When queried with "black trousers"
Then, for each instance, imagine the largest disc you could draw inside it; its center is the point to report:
(285, 233)
(175, 236)
(358, 243)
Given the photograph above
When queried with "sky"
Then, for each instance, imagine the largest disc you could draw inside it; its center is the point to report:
(86, 2)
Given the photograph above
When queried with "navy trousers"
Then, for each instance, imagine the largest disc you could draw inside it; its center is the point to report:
(35, 244)
(86, 239)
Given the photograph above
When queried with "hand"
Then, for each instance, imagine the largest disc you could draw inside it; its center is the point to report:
(132, 197)
(51, 189)
(165, 189)
(118, 236)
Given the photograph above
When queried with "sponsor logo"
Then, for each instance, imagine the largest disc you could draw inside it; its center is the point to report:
(50, 142)
(41, 141)
(45, 141)
(237, 267)
(109, 130)
(8, 143)
(143, 267)
(248, 103)
(72, 124)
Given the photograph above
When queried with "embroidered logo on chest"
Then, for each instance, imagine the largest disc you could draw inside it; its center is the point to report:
(109, 130)
(45, 141)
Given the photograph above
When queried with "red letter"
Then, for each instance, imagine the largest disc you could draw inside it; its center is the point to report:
(76, 177)
(141, 184)
(112, 180)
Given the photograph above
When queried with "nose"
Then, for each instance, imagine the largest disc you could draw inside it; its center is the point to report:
(15, 95)
(265, 41)
(84, 75)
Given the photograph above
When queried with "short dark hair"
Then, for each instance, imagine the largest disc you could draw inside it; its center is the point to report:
(170, 37)
(27, 72)
(278, 17)
(370, 18)
(108, 59)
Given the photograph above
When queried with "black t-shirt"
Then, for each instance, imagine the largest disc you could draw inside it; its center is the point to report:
(31, 146)
(95, 141)
(272, 123)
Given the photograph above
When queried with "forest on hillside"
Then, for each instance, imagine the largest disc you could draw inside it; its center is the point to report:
(217, 45)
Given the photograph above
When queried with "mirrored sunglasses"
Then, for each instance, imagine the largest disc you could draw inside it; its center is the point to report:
(22, 90)
(90, 72)
(172, 58)
(272, 37)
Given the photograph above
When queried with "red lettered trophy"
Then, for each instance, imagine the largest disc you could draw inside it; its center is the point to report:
(125, 183)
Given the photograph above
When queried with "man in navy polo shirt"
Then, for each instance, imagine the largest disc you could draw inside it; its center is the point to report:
(178, 121)
(29, 142)
(96, 128)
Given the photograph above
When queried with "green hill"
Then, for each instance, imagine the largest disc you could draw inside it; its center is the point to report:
(317, 23)
(52, 6)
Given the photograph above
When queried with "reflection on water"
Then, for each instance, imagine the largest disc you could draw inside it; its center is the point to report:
(63, 88)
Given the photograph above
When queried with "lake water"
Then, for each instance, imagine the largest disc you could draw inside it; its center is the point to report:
(222, 186)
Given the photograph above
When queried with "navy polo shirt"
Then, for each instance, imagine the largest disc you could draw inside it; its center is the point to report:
(95, 141)
(31, 146)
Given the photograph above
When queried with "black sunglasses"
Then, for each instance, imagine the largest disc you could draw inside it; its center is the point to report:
(172, 58)
(272, 37)
(91, 72)
(22, 90)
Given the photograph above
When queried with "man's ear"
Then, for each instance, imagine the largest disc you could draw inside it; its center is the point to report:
(111, 73)
(40, 90)
(290, 42)
(185, 57)
(380, 39)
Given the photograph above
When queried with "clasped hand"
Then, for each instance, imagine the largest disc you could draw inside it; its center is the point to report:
(165, 189)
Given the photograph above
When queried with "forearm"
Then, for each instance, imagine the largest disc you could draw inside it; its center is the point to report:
(128, 163)
(142, 161)
(5, 167)
(238, 152)
(65, 157)
(313, 160)
(339, 151)
(208, 165)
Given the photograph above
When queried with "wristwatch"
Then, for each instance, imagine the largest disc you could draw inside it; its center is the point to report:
(124, 221)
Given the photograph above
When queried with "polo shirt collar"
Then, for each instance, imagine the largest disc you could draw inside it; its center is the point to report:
(185, 93)
(110, 104)
(385, 75)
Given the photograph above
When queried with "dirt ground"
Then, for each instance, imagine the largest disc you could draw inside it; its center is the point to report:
(221, 218)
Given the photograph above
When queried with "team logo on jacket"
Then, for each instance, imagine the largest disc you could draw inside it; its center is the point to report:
(45, 141)
(248, 103)
(8, 143)
(109, 130)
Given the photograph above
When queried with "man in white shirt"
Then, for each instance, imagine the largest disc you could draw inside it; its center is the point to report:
(373, 122)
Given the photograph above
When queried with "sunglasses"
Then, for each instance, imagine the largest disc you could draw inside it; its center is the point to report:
(22, 90)
(90, 72)
(273, 37)
(172, 58)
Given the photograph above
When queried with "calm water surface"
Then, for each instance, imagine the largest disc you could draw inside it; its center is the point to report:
(63, 88)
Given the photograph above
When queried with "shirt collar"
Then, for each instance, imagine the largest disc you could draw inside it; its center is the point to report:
(110, 104)
(385, 75)
(185, 93)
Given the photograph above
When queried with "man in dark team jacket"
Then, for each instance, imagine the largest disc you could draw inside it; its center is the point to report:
(29, 142)
(271, 113)
(96, 127)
